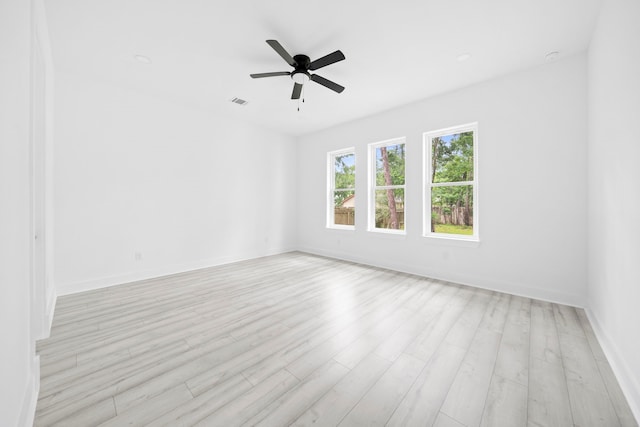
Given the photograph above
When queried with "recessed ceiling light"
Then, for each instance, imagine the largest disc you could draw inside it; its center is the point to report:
(143, 59)
(463, 57)
(551, 56)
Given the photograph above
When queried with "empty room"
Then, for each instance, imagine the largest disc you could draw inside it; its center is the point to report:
(282, 213)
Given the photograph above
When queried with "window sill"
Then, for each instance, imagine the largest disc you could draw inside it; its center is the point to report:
(388, 232)
(453, 240)
(341, 227)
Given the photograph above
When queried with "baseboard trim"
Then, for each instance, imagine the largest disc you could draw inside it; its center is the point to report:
(519, 290)
(625, 376)
(104, 282)
(30, 397)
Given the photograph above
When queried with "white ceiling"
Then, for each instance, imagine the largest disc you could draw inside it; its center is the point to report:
(397, 52)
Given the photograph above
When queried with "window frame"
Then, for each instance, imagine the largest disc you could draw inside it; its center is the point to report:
(428, 185)
(331, 177)
(372, 186)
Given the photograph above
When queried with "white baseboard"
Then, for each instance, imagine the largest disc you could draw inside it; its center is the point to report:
(103, 282)
(626, 378)
(30, 397)
(510, 288)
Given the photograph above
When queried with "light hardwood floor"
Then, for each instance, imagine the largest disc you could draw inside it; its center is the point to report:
(296, 339)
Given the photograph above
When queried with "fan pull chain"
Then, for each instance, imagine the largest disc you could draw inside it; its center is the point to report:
(302, 96)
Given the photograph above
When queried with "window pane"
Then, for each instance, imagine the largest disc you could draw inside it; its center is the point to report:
(344, 212)
(390, 209)
(452, 209)
(452, 157)
(390, 165)
(345, 171)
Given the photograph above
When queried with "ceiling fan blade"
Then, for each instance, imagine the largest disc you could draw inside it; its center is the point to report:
(282, 52)
(327, 60)
(297, 90)
(277, 73)
(327, 83)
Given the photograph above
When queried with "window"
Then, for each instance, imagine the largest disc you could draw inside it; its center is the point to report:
(386, 186)
(342, 189)
(451, 183)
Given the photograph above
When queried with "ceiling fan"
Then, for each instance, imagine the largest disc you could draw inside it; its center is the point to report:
(302, 65)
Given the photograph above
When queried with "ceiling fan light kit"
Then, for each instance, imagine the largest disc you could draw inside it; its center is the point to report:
(302, 64)
(300, 77)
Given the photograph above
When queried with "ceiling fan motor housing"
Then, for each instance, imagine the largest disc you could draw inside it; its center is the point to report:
(301, 74)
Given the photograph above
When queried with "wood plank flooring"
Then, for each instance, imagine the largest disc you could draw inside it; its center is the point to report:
(301, 340)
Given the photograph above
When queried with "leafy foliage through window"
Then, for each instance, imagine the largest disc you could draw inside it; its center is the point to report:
(387, 201)
(451, 182)
(342, 191)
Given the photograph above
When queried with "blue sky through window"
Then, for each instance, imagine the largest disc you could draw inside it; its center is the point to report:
(345, 160)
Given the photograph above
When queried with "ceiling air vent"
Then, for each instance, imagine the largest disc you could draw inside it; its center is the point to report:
(239, 101)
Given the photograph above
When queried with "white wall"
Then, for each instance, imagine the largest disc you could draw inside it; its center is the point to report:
(183, 187)
(532, 153)
(19, 375)
(614, 190)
